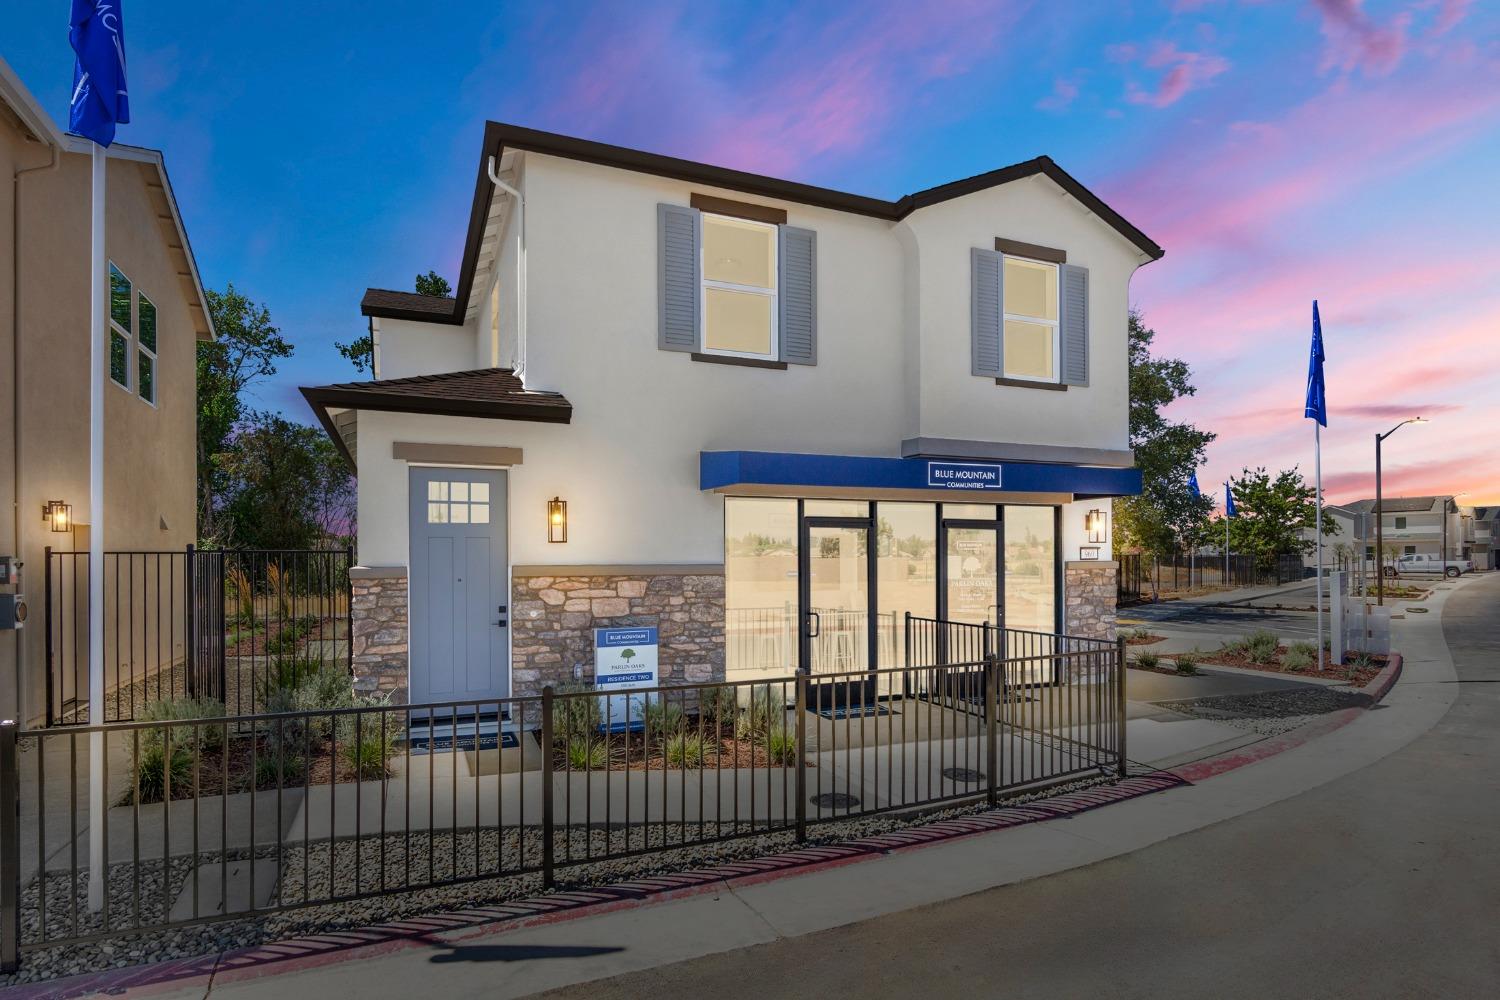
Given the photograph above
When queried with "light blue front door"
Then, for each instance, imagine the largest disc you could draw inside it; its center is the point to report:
(459, 601)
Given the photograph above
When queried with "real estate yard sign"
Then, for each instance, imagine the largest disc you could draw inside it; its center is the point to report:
(625, 659)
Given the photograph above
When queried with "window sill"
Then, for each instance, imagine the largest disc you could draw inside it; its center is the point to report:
(1021, 383)
(726, 359)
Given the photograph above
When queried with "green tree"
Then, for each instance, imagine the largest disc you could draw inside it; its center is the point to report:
(1273, 515)
(1166, 514)
(244, 351)
(285, 486)
(361, 350)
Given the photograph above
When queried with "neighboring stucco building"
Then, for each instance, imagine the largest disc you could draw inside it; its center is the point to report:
(1411, 526)
(157, 315)
(780, 417)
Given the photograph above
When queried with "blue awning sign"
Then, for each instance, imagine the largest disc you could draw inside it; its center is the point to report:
(963, 476)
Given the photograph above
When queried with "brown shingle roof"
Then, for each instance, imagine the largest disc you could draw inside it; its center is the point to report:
(405, 305)
(488, 393)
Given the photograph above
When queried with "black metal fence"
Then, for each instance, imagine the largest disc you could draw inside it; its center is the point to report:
(191, 623)
(1141, 576)
(224, 818)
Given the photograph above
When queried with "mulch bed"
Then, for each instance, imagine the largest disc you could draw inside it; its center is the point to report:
(1145, 640)
(243, 752)
(1355, 676)
(630, 752)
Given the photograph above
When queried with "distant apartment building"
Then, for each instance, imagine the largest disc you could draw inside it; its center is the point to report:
(1410, 526)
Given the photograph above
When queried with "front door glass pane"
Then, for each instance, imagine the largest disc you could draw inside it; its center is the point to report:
(760, 586)
(835, 508)
(973, 587)
(839, 595)
(969, 511)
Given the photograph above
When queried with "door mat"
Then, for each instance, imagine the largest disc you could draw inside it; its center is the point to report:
(853, 711)
(441, 738)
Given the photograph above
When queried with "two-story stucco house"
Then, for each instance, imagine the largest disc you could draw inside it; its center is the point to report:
(157, 314)
(767, 418)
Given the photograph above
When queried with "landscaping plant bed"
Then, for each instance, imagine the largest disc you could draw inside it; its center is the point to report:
(286, 635)
(1355, 673)
(1269, 713)
(1140, 637)
(721, 748)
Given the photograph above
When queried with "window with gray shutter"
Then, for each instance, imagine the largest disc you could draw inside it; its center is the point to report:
(986, 269)
(799, 295)
(1073, 303)
(678, 277)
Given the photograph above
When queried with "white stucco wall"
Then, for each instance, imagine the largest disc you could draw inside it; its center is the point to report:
(405, 348)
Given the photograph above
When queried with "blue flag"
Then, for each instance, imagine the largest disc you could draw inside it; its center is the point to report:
(1317, 404)
(100, 101)
(1193, 484)
(1228, 501)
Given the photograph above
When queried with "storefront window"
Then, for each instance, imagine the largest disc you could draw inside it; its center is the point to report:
(836, 508)
(906, 566)
(1030, 569)
(760, 585)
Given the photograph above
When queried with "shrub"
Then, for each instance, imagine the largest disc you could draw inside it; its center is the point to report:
(323, 689)
(1187, 663)
(1299, 657)
(763, 711)
(663, 719)
(286, 673)
(367, 739)
(684, 750)
(208, 737)
(586, 752)
(1147, 661)
(290, 768)
(781, 746)
(1259, 646)
(576, 717)
(153, 769)
(717, 705)
(291, 633)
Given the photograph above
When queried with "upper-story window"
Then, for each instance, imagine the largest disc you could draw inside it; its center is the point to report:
(132, 332)
(1031, 326)
(739, 287)
(1400, 522)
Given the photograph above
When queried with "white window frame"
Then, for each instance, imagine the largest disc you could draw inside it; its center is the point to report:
(771, 293)
(112, 328)
(1055, 324)
(141, 348)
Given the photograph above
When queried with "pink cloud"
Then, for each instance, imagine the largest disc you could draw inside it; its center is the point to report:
(1353, 39)
(1185, 72)
(1064, 91)
(1450, 12)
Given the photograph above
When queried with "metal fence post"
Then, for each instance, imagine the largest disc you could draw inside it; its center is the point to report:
(548, 818)
(1124, 767)
(800, 707)
(348, 608)
(190, 629)
(47, 625)
(10, 849)
(992, 675)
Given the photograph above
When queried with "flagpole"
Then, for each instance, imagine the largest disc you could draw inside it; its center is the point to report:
(1318, 530)
(98, 357)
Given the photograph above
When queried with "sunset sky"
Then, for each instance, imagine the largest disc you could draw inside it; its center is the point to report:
(1280, 152)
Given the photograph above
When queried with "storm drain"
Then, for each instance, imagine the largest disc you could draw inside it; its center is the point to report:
(834, 800)
(965, 774)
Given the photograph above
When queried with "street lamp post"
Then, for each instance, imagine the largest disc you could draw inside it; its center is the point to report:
(1380, 513)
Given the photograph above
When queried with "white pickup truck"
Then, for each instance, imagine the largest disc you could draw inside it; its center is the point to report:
(1423, 564)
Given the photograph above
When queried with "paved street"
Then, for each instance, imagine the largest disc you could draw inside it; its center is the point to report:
(1382, 883)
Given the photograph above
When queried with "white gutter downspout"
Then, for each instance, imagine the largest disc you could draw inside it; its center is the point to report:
(520, 268)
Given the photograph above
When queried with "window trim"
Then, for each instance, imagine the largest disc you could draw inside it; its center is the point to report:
(141, 348)
(1055, 324)
(774, 293)
(112, 328)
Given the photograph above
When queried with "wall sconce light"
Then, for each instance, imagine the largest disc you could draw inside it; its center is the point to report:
(1096, 523)
(59, 515)
(557, 520)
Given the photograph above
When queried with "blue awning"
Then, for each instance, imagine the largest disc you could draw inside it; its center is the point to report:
(725, 470)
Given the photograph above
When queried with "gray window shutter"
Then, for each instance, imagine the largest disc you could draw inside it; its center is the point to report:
(678, 274)
(984, 295)
(798, 291)
(1073, 317)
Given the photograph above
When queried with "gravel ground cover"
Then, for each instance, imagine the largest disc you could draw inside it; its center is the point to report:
(450, 855)
(1269, 713)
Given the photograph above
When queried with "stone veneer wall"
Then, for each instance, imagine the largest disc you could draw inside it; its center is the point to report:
(378, 610)
(553, 617)
(1090, 591)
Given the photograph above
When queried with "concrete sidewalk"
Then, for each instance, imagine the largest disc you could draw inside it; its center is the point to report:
(509, 961)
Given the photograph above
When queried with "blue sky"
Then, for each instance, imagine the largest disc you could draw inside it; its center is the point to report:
(1277, 150)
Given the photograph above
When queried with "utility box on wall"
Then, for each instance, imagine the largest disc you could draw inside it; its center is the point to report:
(12, 611)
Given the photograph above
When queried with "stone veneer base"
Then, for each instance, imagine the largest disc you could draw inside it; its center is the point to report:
(1091, 591)
(378, 611)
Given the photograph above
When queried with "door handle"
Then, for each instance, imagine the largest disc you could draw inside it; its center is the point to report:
(501, 623)
(813, 618)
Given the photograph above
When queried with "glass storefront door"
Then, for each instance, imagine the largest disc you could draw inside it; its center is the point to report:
(970, 591)
(836, 602)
